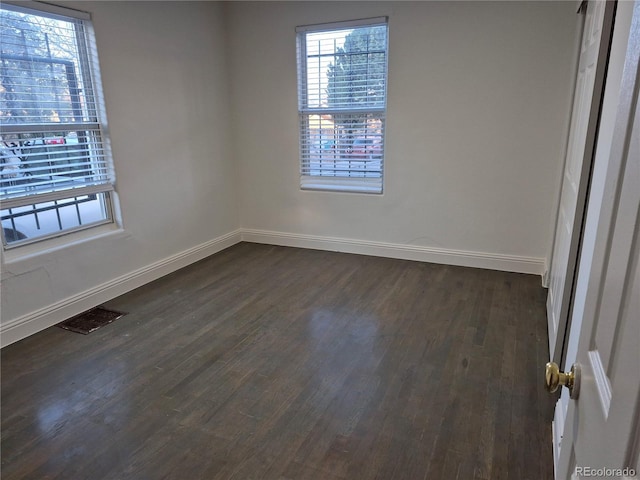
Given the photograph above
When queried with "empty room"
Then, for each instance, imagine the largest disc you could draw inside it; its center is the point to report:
(320, 240)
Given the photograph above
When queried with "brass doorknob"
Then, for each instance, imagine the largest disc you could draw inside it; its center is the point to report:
(554, 378)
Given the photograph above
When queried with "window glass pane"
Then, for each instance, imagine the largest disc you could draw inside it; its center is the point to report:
(30, 222)
(42, 75)
(343, 145)
(346, 68)
(35, 162)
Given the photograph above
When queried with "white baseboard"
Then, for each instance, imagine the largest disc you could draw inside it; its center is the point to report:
(33, 322)
(545, 274)
(507, 263)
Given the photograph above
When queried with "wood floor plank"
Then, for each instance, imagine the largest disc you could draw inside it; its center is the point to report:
(266, 362)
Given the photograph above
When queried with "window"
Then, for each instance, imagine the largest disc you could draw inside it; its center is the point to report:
(342, 85)
(55, 168)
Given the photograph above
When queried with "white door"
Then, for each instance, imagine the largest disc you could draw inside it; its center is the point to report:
(601, 436)
(584, 120)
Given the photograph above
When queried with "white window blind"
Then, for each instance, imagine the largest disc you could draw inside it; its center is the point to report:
(342, 84)
(52, 139)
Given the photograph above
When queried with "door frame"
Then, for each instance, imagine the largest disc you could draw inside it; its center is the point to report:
(615, 99)
(557, 349)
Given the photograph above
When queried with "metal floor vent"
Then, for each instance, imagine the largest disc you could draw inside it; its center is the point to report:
(91, 320)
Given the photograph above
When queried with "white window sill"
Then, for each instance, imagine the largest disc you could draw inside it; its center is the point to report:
(24, 257)
(342, 184)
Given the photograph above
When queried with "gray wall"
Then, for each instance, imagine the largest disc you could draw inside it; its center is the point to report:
(478, 108)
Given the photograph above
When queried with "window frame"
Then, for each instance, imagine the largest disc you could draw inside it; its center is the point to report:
(347, 182)
(95, 127)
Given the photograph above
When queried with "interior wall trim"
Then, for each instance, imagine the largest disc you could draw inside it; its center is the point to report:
(491, 261)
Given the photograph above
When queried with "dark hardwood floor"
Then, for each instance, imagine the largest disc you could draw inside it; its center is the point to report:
(267, 362)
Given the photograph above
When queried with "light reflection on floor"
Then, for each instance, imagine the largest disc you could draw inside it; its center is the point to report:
(94, 385)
